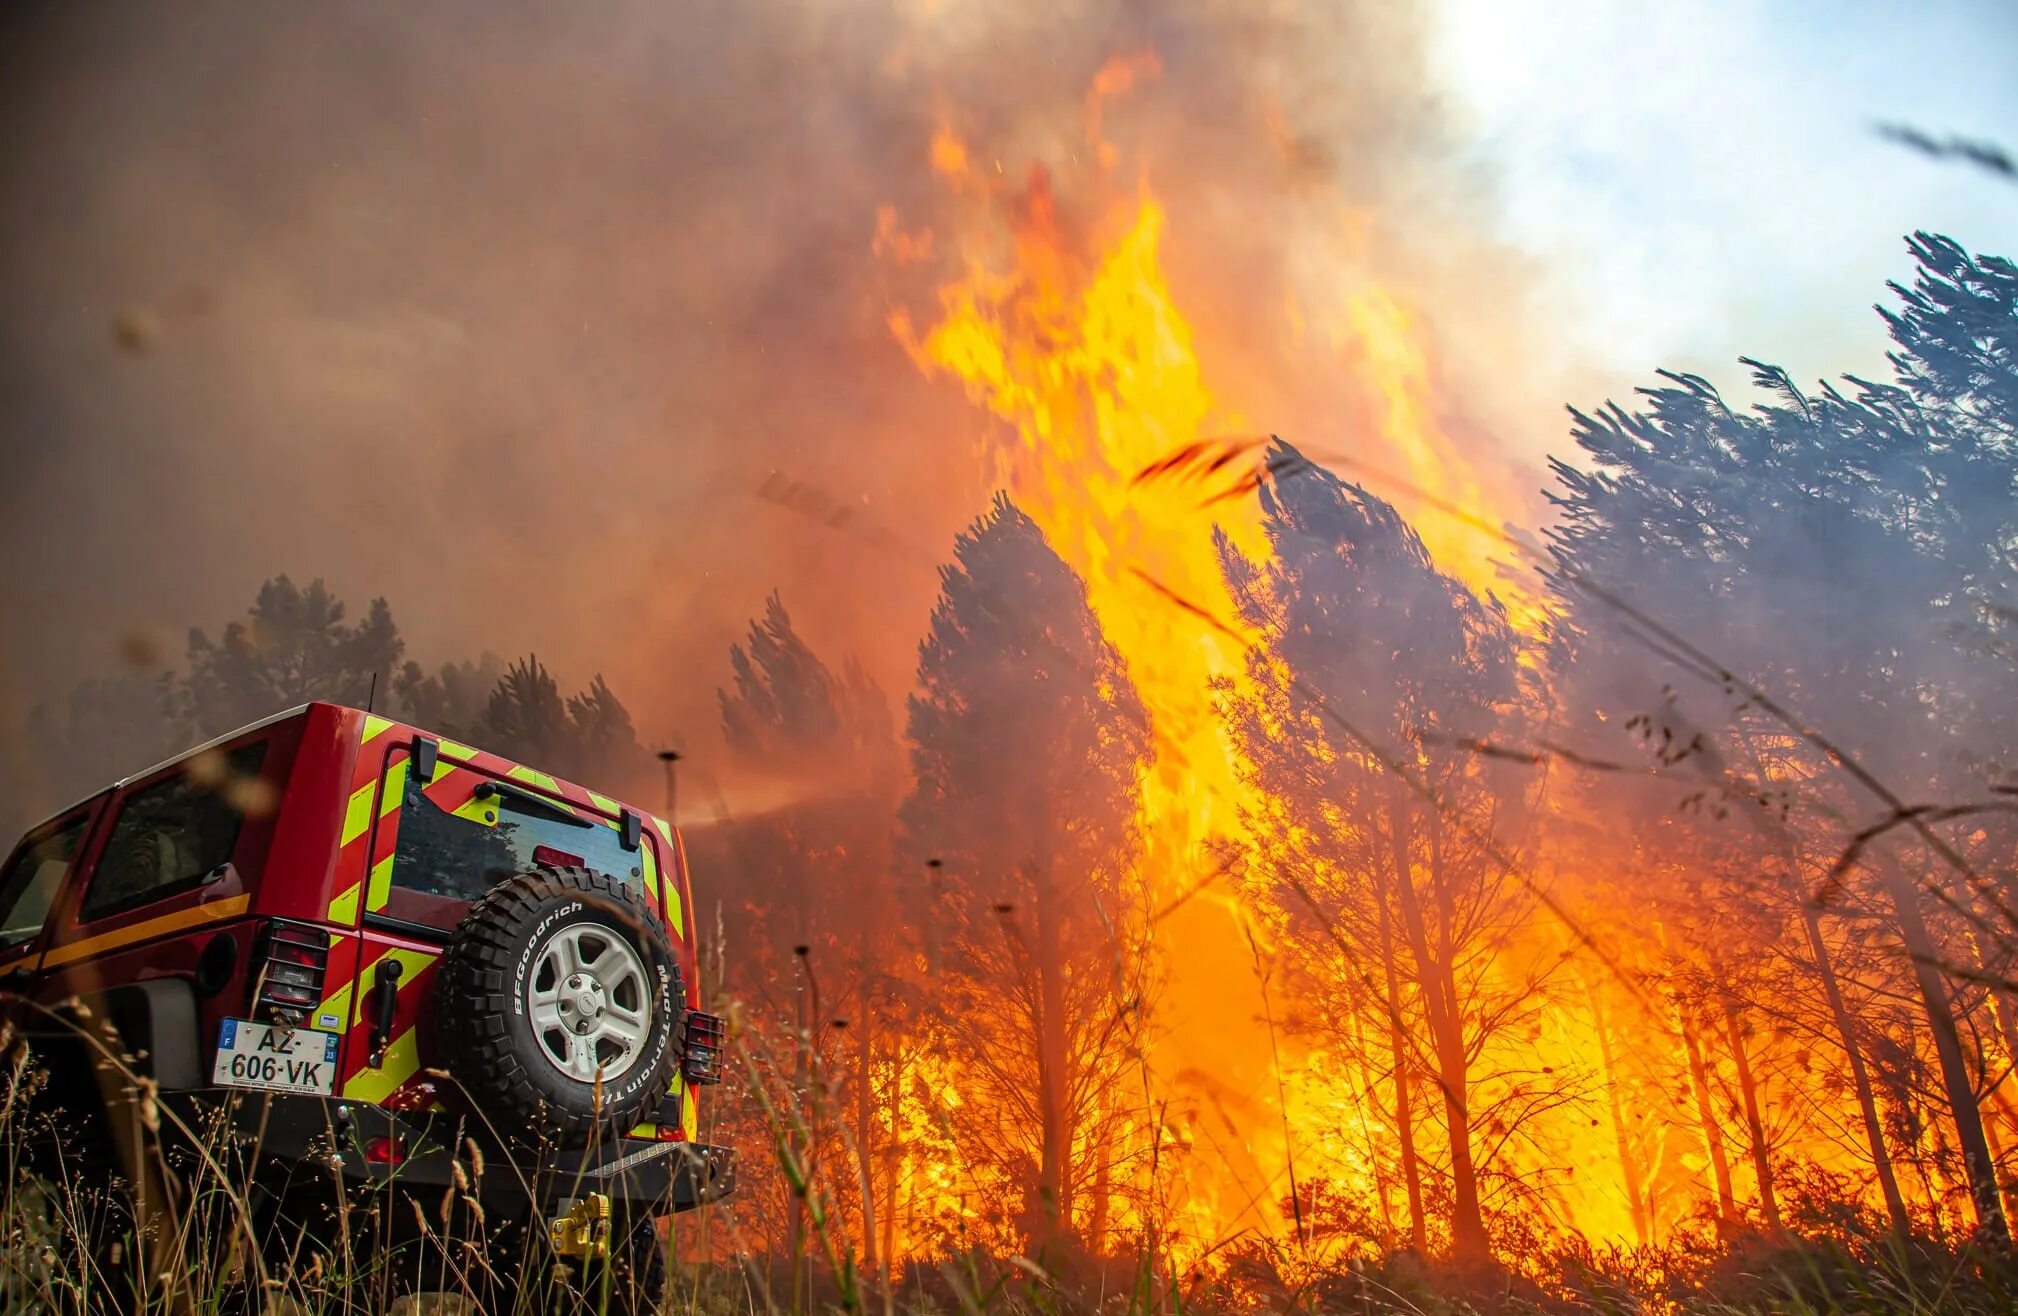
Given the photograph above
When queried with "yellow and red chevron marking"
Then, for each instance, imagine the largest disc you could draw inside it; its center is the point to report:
(364, 868)
(333, 1012)
(676, 909)
(652, 1129)
(363, 877)
(396, 1080)
(364, 864)
(689, 1116)
(347, 883)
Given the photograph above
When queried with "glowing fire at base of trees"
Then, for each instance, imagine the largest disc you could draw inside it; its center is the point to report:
(1274, 884)
(1089, 362)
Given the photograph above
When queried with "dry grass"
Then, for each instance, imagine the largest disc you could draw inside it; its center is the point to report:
(190, 1229)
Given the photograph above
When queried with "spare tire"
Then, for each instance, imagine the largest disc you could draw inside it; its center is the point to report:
(558, 1006)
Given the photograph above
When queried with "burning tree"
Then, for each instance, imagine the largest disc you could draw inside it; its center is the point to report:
(1373, 826)
(814, 909)
(1027, 743)
(1830, 667)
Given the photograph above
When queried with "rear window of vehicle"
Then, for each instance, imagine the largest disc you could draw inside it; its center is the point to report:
(443, 861)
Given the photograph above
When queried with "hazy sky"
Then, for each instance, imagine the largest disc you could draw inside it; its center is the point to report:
(1701, 179)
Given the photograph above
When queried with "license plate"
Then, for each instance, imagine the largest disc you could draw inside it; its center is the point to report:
(254, 1055)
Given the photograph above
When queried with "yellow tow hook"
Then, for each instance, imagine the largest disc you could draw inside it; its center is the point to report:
(584, 1232)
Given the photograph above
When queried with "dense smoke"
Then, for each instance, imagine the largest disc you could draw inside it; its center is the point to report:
(507, 313)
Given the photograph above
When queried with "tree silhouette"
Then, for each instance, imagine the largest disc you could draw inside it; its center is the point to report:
(586, 737)
(1366, 652)
(812, 881)
(106, 726)
(1852, 554)
(792, 713)
(293, 646)
(452, 697)
(1027, 738)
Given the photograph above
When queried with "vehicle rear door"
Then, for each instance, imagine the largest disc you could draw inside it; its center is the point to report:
(437, 846)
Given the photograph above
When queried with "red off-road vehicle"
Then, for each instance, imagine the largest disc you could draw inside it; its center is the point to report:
(371, 948)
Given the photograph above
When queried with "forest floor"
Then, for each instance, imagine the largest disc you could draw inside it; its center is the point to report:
(217, 1245)
(71, 1248)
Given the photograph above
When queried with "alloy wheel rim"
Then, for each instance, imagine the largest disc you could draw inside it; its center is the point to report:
(590, 1004)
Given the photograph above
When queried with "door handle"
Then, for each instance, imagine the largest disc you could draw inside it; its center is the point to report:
(384, 999)
(520, 798)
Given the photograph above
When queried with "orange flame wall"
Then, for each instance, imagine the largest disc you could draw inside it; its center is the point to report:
(1090, 363)
(1063, 326)
(1073, 339)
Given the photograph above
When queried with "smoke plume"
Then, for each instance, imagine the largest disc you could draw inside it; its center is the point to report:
(509, 312)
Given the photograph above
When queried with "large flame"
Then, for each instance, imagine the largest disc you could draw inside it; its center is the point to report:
(1091, 364)
(1079, 346)
(1067, 331)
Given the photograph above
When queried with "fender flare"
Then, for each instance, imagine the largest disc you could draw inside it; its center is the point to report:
(157, 1017)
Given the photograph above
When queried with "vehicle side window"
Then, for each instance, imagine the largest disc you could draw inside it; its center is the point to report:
(28, 887)
(171, 835)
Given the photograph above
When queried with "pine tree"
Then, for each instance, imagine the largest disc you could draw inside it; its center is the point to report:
(293, 646)
(586, 737)
(1372, 672)
(814, 879)
(1850, 554)
(790, 712)
(1027, 740)
(450, 699)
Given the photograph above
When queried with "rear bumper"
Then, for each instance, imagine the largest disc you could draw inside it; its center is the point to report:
(314, 1137)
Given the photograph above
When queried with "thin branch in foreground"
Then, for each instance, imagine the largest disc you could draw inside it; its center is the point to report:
(1984, 155)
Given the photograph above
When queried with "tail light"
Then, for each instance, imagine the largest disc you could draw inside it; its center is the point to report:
(385, 1151)
(705, 1035)
(289, 961)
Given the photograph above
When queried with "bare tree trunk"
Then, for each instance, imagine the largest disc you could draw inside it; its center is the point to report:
(1977, 1161)
(1468, 1236)
(1052, 1219)
(1929, 1190)
(1103, 1186)
(1446, 1025)
(865, 1097)
(1839, 1013)
(1706, 1113)
(1755, 1124)
(1382, 1186)
(1397, 1036)
(2005, 1009)
(1860, 1074)
(2001, 999)
(1629, 1170)
(893, 1152)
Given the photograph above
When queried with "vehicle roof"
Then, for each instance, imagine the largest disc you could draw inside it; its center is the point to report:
(236, 732)
(168, 762)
